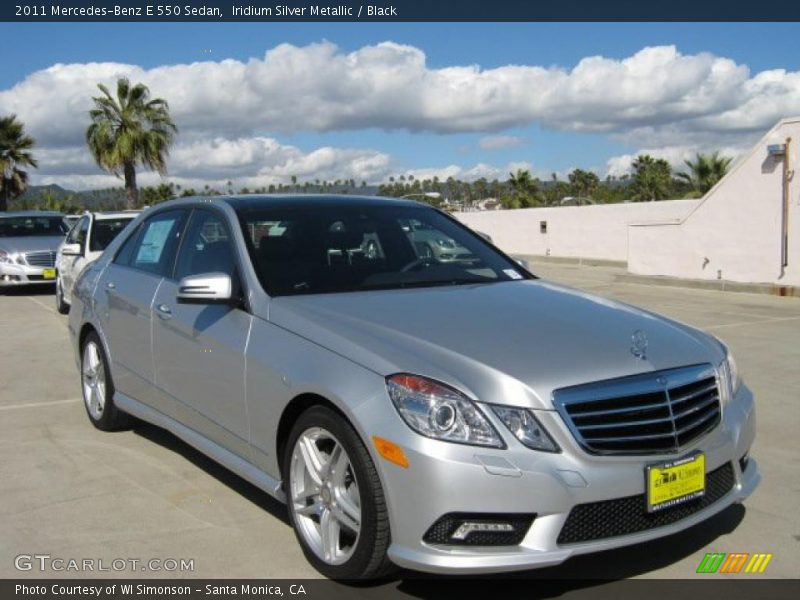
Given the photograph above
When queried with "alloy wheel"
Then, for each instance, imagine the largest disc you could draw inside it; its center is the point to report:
(324, 496)
(93, 375)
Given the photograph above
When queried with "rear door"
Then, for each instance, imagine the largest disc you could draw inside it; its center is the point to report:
(125, 293)
(199, 348)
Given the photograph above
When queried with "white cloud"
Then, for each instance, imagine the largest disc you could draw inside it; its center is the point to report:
(226, 110)
(251, 162)
(500, 142)
(321, 88)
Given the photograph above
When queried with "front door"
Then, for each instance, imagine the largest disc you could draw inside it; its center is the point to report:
(199, 348)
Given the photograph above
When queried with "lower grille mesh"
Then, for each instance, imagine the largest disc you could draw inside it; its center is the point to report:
(623, 516)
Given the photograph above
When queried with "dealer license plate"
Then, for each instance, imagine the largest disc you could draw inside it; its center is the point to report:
(48, 273)
(675, 482)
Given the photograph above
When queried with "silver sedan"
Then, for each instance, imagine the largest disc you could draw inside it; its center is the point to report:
(444, 416)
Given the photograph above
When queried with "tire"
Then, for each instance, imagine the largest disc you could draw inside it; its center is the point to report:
(363, 554)
(61, 306)
(97, 387)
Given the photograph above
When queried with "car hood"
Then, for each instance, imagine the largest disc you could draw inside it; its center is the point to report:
(31, 244)
(506, 343)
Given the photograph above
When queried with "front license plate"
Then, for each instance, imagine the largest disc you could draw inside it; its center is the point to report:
(48, 273)
(675, 482)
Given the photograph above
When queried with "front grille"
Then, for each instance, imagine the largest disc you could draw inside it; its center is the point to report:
(441, 532)
(624, 516)
(653, 413)
(41, 259)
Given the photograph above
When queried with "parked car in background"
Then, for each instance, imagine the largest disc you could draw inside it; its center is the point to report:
(443, 415)
(28, 244)
(85, 243)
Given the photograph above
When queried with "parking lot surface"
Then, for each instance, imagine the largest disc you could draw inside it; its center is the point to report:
(70, 491)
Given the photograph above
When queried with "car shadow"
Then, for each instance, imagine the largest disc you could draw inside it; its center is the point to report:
(167, 440)
(31, 290)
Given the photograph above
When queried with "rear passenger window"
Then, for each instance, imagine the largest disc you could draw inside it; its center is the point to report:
(156, 241)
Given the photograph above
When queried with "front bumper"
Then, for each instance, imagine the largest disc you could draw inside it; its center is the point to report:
(448, 478)
(13, 275)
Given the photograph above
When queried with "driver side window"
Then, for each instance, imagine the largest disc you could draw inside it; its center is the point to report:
(207, 247)
(78, 233)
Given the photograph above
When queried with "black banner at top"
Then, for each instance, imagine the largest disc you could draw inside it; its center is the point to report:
(394, 10)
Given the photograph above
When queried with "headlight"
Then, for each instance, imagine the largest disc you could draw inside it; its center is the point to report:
(440, 412)
(729, 371)
(733, 374)
(526, 428)
(6, 257)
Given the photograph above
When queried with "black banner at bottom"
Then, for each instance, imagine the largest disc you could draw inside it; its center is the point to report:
(731, 588)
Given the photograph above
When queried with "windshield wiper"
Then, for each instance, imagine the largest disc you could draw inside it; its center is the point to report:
(423, 283)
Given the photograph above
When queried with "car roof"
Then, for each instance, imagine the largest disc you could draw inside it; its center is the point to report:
(30, 213)
(128, 214)
(256, 201)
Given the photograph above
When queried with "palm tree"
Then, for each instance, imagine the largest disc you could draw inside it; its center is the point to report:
(705, 171)
(15, 148)
(651, 178)
(128, 130)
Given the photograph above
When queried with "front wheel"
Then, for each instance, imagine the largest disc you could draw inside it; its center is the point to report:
(61, 305)
(98, 388)
(335, 499)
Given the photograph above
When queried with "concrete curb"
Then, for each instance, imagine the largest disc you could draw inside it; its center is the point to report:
(718, 285)
(569, 260)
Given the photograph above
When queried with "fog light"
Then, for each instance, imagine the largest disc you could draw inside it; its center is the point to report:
(744, 460)
(472, 526)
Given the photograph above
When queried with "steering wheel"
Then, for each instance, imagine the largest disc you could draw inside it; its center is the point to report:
(424, 261)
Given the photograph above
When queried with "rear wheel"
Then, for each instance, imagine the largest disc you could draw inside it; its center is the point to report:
(98, 388)
(336, 503)
(61, 305)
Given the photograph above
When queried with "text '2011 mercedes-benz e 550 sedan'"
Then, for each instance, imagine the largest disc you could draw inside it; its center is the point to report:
(445, 416)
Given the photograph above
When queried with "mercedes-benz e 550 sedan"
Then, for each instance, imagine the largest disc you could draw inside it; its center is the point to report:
(445, 416)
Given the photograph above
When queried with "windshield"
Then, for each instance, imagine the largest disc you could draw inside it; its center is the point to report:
(301, 250)
(32, 226)
(105, 230)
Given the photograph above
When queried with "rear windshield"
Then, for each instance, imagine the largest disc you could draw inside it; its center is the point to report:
(32, 226)
(105, 230)
(302, 250)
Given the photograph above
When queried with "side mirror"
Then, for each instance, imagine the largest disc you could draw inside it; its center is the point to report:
(523, 263)
(206, 288)
(71, 250)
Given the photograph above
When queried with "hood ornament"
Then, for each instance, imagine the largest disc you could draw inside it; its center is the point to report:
(639, 344)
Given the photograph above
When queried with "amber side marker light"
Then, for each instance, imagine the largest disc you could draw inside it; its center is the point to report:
(390, 451)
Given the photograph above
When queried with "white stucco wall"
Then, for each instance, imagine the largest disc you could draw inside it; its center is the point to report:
(734, 233)
(599, 231)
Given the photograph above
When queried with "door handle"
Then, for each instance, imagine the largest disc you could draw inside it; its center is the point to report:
(164, 311)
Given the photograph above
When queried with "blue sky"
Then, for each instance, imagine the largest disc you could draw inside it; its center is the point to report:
(541, 140)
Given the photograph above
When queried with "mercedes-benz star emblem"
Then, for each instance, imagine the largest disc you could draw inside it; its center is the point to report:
(639, 347)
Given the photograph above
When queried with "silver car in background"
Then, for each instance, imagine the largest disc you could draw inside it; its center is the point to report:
(445, 416)
(28, 244)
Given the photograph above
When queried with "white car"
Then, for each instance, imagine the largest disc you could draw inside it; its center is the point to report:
(84, 244)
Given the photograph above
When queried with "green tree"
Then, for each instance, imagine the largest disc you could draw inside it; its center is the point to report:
(583, 183)
(15, 155)
(129, 130)
(524, 190)
(705, 171)
(652, 178)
